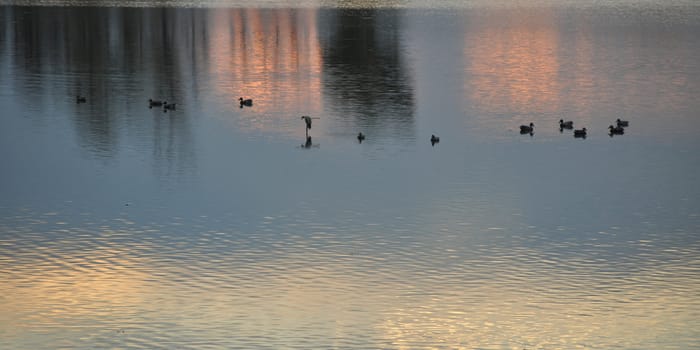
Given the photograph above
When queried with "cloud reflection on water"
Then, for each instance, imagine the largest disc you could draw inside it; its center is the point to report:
(200, 283)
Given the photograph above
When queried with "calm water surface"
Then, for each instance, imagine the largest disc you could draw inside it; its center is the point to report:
(215, 226)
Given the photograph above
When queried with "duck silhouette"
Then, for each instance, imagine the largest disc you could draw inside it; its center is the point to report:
(565, 124)
(527, 129)
(246, 102)
(580, 133)
(616, 130)
(154, 103)
(169, 106)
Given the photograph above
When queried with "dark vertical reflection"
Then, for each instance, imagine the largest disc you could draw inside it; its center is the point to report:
(347, 63)
(365, 76)
(117, 58)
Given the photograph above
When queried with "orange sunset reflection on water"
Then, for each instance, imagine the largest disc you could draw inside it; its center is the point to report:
(338, 295)
(513, 69)
(273, 57)
(537, 67)
(70, 289)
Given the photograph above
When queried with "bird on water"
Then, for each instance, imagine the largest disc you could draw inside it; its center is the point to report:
(527, 129)
(246, 102)
(168, 106)
(307, 120)
(616, 130)
(565, 124)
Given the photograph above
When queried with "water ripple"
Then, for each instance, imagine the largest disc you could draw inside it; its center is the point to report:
(119, 283)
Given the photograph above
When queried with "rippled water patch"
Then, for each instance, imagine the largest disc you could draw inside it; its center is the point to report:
(297, 283)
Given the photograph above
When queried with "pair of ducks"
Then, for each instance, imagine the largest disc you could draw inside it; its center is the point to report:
(157, 103)
(618, 129)
(570, 125)
(433, 139)
(151, 103)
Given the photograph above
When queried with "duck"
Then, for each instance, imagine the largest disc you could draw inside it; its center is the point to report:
(80, 99)
(616, 130)
(247, 102)
(580, 133)
(154, 103)
(360, 137)
(565, 124)
(527, 129)
(434, 139)
(621, 123)
(168, 106)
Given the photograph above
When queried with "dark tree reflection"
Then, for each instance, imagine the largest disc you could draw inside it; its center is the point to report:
(365, 76)
(117, 58)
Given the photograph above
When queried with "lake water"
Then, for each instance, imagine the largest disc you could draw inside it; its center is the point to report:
(218, 227)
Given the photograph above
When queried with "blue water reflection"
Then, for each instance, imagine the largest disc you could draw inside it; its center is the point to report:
(214, 226)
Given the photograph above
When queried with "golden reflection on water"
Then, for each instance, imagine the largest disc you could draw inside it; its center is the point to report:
(535, 66)
(58, 289)
(517, 300)
(273, 57)
(492, 317)
(514, 68)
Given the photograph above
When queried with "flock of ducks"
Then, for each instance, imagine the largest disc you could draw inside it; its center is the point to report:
(617, 129)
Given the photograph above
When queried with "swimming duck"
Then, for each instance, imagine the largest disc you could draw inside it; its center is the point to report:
(434, 139)
(621, 123)
(168, 106)
(580, 133)
(527, 129)
(247, 102)
(360, 137)
(80, 99)
(154, 103)
(616, 130)
(565, 125)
